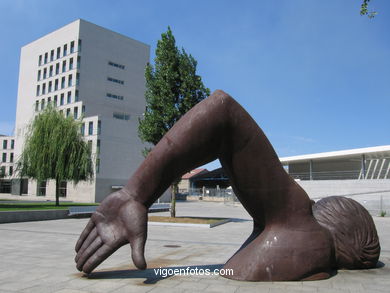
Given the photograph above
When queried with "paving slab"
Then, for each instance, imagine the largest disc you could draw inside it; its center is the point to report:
(39, 257)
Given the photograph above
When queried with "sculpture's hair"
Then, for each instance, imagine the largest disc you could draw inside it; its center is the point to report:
(353, 230)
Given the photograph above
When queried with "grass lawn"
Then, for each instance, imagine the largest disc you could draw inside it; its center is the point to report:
(23, 206)
(188, 220)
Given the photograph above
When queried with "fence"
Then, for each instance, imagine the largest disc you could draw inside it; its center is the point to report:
(212, 194)
(377, 203)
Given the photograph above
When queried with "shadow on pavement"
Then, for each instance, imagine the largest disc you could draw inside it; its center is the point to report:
(153, 275)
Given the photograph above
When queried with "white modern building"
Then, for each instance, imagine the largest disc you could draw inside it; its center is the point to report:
(93, 74)
(362, 163)
(7, 145)
(362, 173)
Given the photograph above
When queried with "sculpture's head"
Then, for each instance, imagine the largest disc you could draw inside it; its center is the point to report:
(353, 230)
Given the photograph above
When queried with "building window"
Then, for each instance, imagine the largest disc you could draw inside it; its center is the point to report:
(48, 100)
(76, 96)
(116, 65)
(62, 99)
(77, 78)
(51, 55)
(58, 53)
(2, 171)
(63, 82)
(5, 144)
(12, 144)
(90, 146)
(98, 146)
(62, 189)
(90, 128)
(65, 50)
(70, 63)
(82, 129)
(44, 73)
(41, 188)
(67, 113)
(40, 60)
(69, 98)
(36, 106)
(70, 80)
(112, 96)
(71, 47)
(115, 80)
(50, 87)
(42, 104)
(43, 88)
(4, 158)
(121, 116)
(55, 101)
(78, 62)
(64, 66)
(99, 130)
(45, 61)
(11, 157)
(56, 84)
(79, 46)
(75, 112)
(11, 171)
(57, 68)
(51, 71)
(83, 109)
(38, 89)
(97, 165)
(39, 75)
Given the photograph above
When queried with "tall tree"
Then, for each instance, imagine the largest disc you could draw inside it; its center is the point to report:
(172, 88)
(55, 149)
(364, 10)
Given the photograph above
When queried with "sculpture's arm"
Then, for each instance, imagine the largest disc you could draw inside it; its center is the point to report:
(218, 127)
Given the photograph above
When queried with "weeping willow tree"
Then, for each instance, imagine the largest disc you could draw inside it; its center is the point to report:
(54, 149)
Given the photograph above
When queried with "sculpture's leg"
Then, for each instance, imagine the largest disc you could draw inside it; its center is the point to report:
(287, 243)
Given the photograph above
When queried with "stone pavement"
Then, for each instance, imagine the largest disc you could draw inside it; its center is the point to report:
(38, 257)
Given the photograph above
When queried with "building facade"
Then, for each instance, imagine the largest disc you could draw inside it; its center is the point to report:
(96, 76)
(7, 146)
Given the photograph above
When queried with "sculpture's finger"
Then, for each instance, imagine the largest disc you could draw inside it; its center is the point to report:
(137, 252)
(97, 258)
(90, 250)
(88, 228)
(87, 242)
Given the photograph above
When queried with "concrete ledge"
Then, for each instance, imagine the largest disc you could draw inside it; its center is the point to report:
(189, 224)
(32, 215)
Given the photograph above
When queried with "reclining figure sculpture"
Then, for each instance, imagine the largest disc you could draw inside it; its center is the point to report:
(287, 242)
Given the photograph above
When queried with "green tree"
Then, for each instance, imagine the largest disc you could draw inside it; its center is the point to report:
(364, 9)
(172, 88)
(55, 149)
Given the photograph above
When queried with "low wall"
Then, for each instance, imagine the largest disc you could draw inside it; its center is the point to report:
(374, 195)
(322, 188)
(27, 216)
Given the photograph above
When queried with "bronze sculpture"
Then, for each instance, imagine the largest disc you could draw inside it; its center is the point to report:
(287, 242)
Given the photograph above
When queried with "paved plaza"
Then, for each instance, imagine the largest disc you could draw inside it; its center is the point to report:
(39, 257)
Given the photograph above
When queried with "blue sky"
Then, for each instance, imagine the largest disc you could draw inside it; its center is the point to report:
(314, 74)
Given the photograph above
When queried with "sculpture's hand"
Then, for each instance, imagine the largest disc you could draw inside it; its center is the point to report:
(117, 221)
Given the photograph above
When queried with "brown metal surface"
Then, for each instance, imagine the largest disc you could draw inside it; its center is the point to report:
(287, 243)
